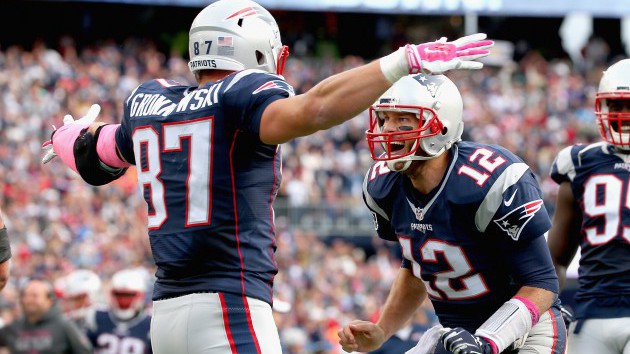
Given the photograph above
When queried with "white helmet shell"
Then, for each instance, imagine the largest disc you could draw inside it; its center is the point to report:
(614, 127)
(235, 35)
(128, 288)
(433, 98)
(80, 282)
(79, 292)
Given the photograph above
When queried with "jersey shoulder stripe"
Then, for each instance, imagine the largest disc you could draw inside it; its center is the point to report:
(377, 187)
(564, 167)
(493, 199)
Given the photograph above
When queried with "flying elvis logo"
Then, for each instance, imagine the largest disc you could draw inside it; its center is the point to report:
(275, 84)
(514, 222)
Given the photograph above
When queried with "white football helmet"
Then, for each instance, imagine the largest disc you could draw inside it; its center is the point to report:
(78, 291)
(432, 98)
(614, 127)
(236, 35)
(127, 294)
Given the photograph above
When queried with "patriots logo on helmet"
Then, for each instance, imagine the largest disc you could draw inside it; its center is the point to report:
(514, 222)
(248, 11)
(275, 84)
(431, 85)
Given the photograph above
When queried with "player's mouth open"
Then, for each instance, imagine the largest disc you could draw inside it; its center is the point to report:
(397, 148)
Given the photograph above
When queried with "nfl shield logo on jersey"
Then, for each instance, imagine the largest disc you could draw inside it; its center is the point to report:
(514, 221)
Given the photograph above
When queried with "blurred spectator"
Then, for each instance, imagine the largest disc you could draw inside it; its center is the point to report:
(42, 328)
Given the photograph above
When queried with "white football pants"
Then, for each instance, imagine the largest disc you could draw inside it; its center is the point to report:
(601, 336)
(213, 323)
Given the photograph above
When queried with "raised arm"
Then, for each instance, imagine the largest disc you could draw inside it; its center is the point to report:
(345, 95)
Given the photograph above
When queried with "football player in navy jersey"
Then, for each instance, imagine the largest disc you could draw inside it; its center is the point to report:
(593, 213)
(208, 160)
(471, 223)
(124, 328)
(78, 292)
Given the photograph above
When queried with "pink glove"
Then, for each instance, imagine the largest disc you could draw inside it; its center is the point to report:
(436, 57)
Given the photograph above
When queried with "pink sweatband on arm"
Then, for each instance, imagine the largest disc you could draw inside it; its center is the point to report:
(106, 147)
(63, 143)
(495, 349)
(531, 306)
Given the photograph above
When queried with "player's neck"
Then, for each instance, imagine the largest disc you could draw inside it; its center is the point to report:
(212, 76)
(426, 175)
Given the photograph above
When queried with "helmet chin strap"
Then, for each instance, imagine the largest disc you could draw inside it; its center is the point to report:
(622, 150)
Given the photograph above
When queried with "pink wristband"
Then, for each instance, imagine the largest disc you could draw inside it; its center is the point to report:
(531, 306)
(106, 147)
(495, 349)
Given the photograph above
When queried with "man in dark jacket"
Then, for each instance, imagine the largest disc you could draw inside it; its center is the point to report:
(43, 329)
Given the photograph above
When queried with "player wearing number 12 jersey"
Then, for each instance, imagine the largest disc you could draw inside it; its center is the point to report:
(593, 213)
(470, 221)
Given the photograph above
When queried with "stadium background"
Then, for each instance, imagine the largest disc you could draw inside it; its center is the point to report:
(534, 97)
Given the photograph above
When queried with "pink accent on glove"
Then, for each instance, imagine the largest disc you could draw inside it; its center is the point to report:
(63, 143)
(106, 147)
(531, 306)
(441, 51)
(495, 349)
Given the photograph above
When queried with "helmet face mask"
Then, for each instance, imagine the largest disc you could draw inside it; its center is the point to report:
(79, 291)
(612, 105)
(127, 294)
(236, 35)
(437, 106)
(406, 140)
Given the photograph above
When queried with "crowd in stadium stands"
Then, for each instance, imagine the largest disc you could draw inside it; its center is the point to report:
(57, 223)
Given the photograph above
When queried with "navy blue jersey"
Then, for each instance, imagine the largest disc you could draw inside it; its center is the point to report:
(117, 337)
(208, 180)
(475, 239)
(600, 181)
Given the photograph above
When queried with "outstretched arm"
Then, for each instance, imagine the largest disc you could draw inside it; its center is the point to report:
(87, 147)
(345, 95)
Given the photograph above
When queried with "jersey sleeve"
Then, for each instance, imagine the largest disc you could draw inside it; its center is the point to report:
(563, 166)
(124, 141)
(513, 208)
(380, 217)
(248, 94)
(530, 263)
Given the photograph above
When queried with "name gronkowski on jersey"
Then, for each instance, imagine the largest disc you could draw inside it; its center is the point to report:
(109, 336)
(208, 180)
(475, 239)
(600, 181)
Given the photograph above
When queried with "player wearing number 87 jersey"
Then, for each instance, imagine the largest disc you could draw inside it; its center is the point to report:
(208, 158)
(593, 213)
(470, 222)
